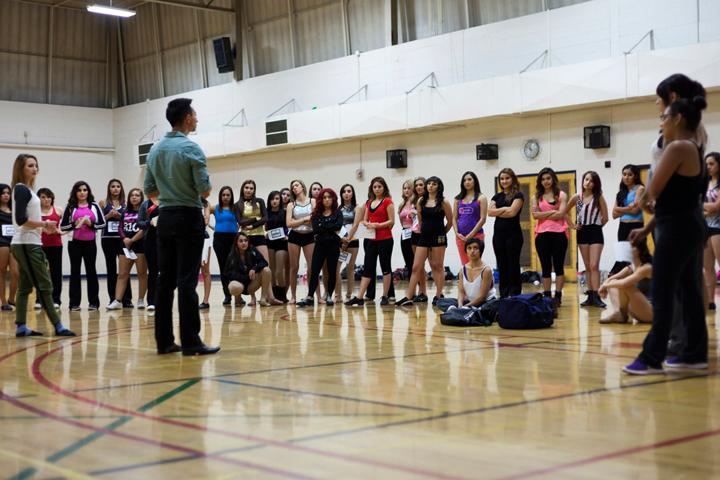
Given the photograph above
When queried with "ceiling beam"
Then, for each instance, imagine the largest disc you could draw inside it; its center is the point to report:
(196, 6)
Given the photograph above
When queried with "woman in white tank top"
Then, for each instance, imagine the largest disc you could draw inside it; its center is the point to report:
(475, 282)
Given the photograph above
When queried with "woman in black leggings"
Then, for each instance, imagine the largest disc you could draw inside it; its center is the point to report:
(677, 187)
(506, 206)
(327, 220)
(549, 207)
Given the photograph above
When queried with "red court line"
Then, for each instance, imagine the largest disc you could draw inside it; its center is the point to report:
(40, 378)
(616, 454)
(146, 441)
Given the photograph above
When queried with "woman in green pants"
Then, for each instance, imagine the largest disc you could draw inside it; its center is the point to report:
(26, 247)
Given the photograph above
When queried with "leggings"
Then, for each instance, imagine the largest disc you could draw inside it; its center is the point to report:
(112, 248)
(83, 251)
(408, 254)
(507, 245)
(373, 250)
(222, 244)
(677, 269)
(54, 258)
(551, 248)
(325, 251)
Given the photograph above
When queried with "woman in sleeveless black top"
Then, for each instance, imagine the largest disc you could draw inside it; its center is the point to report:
(677, 188)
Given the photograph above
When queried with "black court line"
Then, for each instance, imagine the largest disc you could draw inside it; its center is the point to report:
(324, 395)
(347, 362)
(441, 416)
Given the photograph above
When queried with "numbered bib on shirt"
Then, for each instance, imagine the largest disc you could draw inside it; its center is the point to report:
(8, 230)
(344, 257)
(276, 234)
(113, 227)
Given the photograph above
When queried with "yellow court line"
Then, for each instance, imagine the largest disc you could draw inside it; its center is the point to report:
(71, 474)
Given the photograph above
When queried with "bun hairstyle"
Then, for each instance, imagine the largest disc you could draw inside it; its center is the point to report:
(681, 85)
(691, 110)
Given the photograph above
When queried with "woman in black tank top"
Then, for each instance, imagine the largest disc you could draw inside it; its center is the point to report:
(677, 188)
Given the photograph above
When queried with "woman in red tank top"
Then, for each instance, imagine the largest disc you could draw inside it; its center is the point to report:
(378, 223)
(52, 243)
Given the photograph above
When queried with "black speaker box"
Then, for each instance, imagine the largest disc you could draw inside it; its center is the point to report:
(396, 158)
(597, 136)
(224, 58)
(487, 151)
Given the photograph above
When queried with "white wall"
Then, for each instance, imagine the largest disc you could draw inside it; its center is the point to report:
(71, 144)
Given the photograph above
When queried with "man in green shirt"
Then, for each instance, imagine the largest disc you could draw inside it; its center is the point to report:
(177, 174)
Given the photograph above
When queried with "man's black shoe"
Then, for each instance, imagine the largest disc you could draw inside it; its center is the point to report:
(174, 348)
(201, 350)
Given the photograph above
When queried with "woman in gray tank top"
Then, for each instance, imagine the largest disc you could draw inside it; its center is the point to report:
(301, 235)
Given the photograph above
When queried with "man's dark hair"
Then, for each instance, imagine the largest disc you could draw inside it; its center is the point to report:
(177, 110)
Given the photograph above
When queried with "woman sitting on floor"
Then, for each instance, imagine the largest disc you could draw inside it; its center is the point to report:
(475, 282)
(629, 289)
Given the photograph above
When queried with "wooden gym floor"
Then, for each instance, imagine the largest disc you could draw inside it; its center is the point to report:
(350, 393)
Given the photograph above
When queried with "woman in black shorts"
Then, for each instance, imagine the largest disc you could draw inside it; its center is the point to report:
(591, 215)
(350, 213)
(298, 219)
(132, 238)
(278, 248)
(435, 220)
(627, 208)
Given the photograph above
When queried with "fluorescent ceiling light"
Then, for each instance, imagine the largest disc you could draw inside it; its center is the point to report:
(106, 10)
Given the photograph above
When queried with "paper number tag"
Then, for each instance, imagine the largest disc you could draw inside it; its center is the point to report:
(406, 234)
(113, 227)
(129, 254)
(344, 257)
(364, 232)
(8, 230)
(276, 234)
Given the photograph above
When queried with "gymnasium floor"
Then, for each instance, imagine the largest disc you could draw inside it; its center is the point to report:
(339, 393)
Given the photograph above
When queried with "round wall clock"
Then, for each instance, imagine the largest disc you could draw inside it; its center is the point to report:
(531, 149)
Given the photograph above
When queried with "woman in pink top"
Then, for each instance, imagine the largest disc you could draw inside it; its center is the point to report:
(82, 216)
(411, 228)
(551, 241)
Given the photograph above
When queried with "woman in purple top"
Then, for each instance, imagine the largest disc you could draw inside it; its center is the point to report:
(82, 216)
(469, 213)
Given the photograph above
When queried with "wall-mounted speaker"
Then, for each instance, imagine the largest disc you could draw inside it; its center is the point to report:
(396, 158)
(224, 58)
(487, 151)
(597, 136)
(276, 132)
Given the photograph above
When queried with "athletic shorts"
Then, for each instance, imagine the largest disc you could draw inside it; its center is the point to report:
(354, 244)
(431, 241)
(590, 235)
(258, 240)
(277, 245)
(301, 239)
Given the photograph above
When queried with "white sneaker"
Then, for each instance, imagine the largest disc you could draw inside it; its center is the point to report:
(38, 306)
(115, 305)
(151, 308)
(140, 303)
(57, 306)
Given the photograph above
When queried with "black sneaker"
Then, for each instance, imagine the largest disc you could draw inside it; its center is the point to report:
(329, 302)
(598, 301)
(711, 306)
(227, 301)
(128, 305)
(384, 301)
(435, 300)
(93, 308)
(422, 298)
(204, 306)
(589, 301)
(306, 302)
(404, 302)
(355, 301)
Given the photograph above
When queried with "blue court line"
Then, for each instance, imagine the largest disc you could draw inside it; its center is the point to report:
(324, 395)
(440, 416)
(77, 445)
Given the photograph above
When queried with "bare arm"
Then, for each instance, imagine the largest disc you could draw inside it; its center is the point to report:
(448, 216)
(603, 211)
(455, 219)
(483, 204)
(513, 209)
